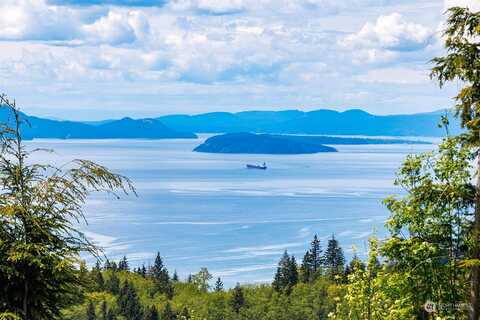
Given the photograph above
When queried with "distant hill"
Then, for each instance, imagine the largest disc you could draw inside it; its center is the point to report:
(258, 144)
(319, 122)
(328, 140)
(125, 128)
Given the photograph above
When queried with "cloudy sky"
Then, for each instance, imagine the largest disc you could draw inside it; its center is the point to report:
(93, 59)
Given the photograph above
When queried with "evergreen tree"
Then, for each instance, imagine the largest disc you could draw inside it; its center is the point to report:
(123, 264)
(111, 315)
(143, 271)
(161, 277)
(238, 300)
(151, 314)
(113, 284)
(315, 255)
(129, 302)
(99, 281)
(91, 311)
(461, 66)
(103, 310)
(334, 259)
(306, 268)
(286, 276)
(218, 285)
(39, 208)
(168, 313)
(175, 276)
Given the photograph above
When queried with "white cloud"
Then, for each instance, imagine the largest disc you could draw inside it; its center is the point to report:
(117, 28)
(210, 6)
(34, 19)
(390, 32)
(398, 75)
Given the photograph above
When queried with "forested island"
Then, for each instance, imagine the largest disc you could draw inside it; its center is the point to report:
(258, 144)
(251, 143)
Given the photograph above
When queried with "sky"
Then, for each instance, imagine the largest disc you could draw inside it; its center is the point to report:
(98, 59)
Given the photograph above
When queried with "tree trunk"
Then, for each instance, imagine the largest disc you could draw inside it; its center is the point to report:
(25, 300)
(475, 275)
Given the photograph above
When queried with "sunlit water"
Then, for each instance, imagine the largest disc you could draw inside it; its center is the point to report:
(207, 210)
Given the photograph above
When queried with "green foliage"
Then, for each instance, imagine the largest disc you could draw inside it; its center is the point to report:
(39, 243)
(334, 260)
(287, 275)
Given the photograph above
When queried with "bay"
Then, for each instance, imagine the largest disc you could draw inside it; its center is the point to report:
(208, 210)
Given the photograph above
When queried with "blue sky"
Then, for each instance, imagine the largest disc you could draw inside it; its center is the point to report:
(94, 59)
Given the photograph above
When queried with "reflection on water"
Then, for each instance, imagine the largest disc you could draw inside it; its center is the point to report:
(207, 210)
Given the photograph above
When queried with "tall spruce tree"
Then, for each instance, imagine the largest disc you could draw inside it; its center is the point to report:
(112, 285)
(161, 278)
(91, 311)
(129, 303)
(334, 260)
(286, 276)
(104, 310)
(306, 271)
(123, 264)
(39, 207)
(462, 64)
(168, 313)
(238, 300)
(316, 255)
(218, 285)
(151, 313)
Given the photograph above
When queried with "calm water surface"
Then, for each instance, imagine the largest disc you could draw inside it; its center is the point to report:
(207, 210)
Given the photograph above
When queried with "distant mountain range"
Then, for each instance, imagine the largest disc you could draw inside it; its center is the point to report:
(125, 128)
(324, 122)
(320, 122)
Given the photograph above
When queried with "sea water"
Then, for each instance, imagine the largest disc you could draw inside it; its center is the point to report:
(208, 210)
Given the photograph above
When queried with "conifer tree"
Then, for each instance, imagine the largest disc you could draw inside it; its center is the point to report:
(123, 264)
(91, 311)
(334, 259)
(168, 313)
(306, 271)
(151, 314)
(316, 255)
(460, 65)
(160, 275)
(218, 285)
(113, 284)
(286, 276)
(175, 276)
(39, 206)
(129, 302)
(103, 310)
(99, 281)
(111, 315)
(238, 300)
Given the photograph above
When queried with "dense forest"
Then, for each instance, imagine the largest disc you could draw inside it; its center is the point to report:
(428, 267)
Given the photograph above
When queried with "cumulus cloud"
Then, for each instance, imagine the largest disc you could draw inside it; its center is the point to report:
(390, 32)
(35, 20)
(117, 28)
